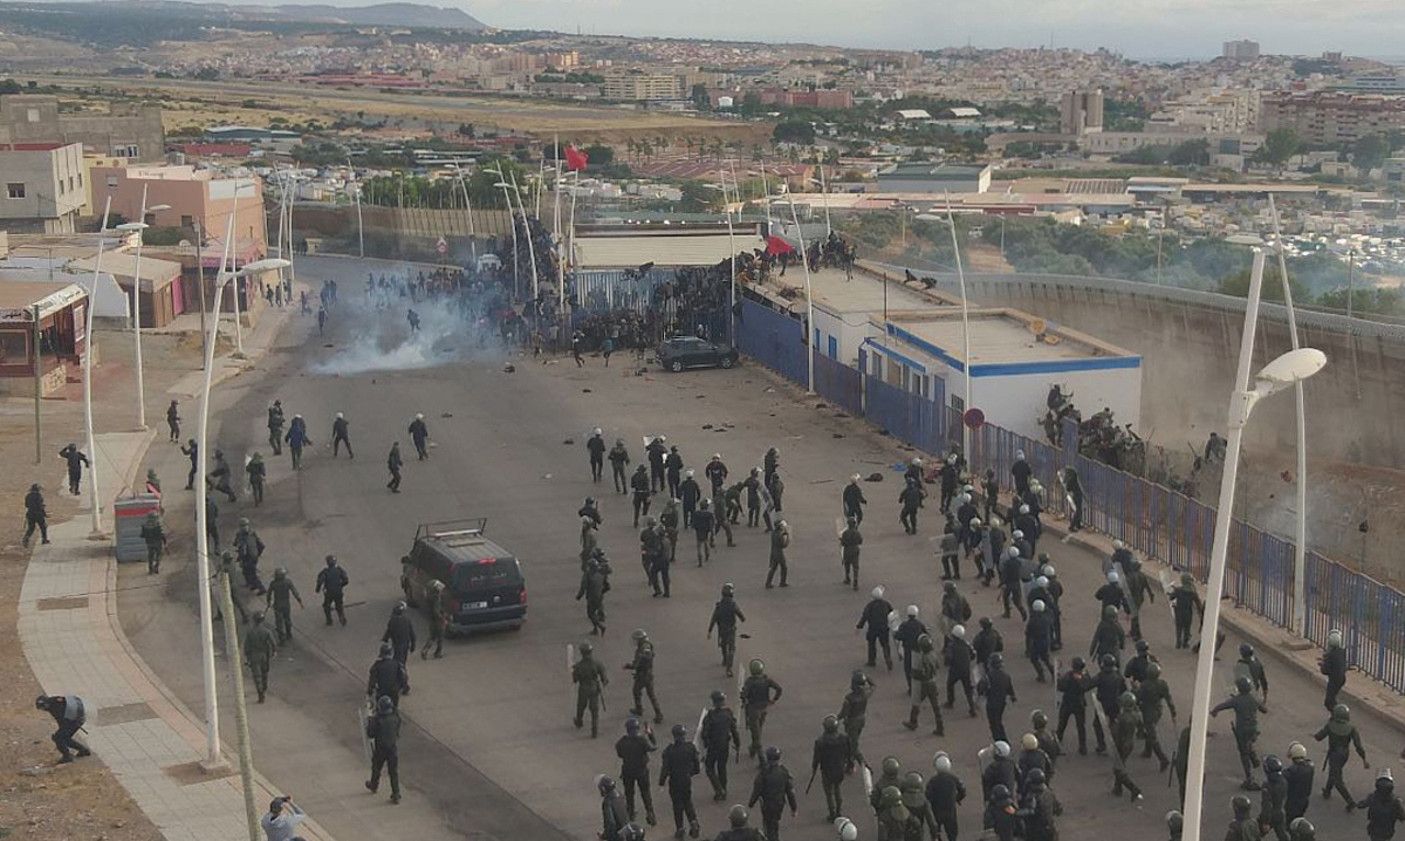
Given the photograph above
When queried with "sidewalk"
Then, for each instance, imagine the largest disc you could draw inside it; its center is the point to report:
(71, 636)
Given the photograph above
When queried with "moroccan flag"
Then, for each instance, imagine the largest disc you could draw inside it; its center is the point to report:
(775, 246)
(576, 160)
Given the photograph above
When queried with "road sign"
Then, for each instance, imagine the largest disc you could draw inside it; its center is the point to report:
(973, 418)
(441, 246)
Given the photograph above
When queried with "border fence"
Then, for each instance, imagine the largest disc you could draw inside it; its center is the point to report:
(1151, 518)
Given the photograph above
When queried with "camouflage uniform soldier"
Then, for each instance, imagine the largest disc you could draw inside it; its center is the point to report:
(438, 620)
(594, 584)
(281, 592)
(590, 680)
(759, 692)
(924, 685)
(259, 650)
(155, 537)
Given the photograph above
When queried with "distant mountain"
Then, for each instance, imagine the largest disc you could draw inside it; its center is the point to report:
(380, 14)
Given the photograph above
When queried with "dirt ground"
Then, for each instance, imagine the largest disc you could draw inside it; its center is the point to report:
(38, 799)
(209, 103)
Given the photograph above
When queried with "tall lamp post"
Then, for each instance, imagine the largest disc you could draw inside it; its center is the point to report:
(1300, 550)
(1290, 368)
(202, 548)
(809, 300)
(965, 329)
(139, 228)
(511, 221)
(95, 495)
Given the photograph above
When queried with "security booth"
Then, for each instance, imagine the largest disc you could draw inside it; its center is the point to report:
(129, 515)
(61, 337)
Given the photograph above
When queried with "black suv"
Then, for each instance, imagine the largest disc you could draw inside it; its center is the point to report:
(681, 352)
(483, 583)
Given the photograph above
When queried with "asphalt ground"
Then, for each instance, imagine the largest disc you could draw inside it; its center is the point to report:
(490, 750)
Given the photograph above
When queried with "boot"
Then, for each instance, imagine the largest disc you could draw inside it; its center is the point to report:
(694, 830)
(911, 722)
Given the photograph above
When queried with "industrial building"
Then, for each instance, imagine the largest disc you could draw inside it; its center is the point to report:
(927, 177)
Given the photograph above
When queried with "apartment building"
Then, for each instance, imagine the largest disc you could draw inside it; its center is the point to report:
(133, 132)
(640, 86)
(43, 186)
(1330, 118)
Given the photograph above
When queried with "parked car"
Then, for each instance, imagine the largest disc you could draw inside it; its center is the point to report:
(681, 352)
(483, 582)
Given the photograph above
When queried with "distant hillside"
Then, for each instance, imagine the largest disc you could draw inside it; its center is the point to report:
(140, 23)
(379, 14)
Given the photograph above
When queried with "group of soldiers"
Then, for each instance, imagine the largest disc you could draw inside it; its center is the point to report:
(1124, 691)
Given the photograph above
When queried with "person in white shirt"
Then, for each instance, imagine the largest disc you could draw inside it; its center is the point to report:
(281, 822)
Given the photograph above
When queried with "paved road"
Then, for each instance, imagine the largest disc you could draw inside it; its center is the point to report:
(492, 753)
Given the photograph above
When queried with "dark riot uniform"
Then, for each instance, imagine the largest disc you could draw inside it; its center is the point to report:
(719, 738)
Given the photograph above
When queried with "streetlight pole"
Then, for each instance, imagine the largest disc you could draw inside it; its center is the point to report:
(139, 227)
(360, 227)
(512, 222)
(95, 496)
(527, 232)
(965, 329)
(824, 192)
(1300, 550)
(809, 301)
(732, 250)
(468, 207)
(1291, 367)
(213, 760)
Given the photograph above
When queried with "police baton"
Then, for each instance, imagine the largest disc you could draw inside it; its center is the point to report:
(812, 779)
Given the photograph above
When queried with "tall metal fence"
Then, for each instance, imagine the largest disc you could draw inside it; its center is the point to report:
(1151, 518)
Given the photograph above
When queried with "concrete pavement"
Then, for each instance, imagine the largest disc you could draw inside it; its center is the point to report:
(74, 644)
(491, 750)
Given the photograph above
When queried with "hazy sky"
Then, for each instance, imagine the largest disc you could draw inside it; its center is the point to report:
(1138, 28)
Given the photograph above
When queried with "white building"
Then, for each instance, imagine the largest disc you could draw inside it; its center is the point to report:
(911, 335)
(1015, 358)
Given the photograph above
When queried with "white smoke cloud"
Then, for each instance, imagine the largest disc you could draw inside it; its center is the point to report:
(367, 339)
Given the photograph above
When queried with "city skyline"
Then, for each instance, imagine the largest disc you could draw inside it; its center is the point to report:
(1174, 29)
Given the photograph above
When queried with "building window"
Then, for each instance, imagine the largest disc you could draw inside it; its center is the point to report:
(80, 180)
(62, 190)
(15, 189)
(112, 181)
(187, 221)
(70, 182)
(31, 115)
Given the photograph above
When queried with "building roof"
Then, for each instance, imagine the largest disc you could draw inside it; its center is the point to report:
(156, 274)
(705, 248)
(964, 111)
(18, 297)
(834, 291)
(914, 114)
(934, 171)
(1003, 341)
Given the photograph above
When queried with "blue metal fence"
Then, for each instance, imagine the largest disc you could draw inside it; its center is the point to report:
(1153, 519)
(774, 339)
(839, 384)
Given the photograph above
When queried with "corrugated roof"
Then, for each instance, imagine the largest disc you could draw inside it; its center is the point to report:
(613, 252)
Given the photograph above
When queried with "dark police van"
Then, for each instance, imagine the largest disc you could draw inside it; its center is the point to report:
(484, 588)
